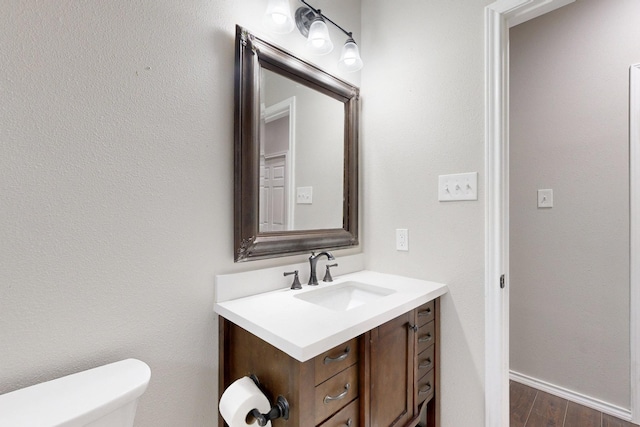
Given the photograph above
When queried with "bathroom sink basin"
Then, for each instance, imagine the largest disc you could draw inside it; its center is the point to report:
(345, 296)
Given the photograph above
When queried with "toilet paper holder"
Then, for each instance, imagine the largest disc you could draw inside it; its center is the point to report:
(279, 410)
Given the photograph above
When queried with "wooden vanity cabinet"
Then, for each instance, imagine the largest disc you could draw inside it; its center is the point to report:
(402, 371)
(317, 390)
(426, 360)
(385, 377)
(391, 372)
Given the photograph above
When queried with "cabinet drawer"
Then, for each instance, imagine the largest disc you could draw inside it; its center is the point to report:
(426, 361)
(426, 313)
(335, 360)
(335, 393)
(349, 416)
(426, 336)
(426, 387)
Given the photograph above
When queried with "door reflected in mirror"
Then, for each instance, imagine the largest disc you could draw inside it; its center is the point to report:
(301, 156)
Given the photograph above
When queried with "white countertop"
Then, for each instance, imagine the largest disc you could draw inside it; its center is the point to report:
(304, 330)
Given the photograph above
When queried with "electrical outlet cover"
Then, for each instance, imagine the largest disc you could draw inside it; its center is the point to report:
(402, 239)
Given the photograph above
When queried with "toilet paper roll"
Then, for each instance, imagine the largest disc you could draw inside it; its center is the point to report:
(239, 399)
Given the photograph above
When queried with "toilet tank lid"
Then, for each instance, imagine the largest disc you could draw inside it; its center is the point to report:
(76, 398)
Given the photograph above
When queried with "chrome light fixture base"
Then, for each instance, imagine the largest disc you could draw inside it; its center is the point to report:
(304, 17)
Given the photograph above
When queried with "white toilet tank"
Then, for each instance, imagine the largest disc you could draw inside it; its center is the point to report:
(106, 396)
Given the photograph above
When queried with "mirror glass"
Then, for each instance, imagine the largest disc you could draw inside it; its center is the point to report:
(301, 156)
(296, 154)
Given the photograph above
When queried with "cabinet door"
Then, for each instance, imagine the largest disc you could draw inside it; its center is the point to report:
(392, 372)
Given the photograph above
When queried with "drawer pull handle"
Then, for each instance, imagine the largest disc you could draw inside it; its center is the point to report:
(340, 358)
(426, 390)
(342, 395)
(425, 338)
(349, 422)
(426, 363)
(426, 312)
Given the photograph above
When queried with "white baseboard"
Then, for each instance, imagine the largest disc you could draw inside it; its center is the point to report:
(590, 402)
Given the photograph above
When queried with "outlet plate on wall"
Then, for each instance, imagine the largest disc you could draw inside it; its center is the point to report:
(402, 239)
(461, 186)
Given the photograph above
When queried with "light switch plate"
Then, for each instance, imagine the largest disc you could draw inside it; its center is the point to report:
(461, 186)
(304, 195)
(545, 198)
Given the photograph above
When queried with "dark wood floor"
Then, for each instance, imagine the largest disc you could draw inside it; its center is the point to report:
(534, 408)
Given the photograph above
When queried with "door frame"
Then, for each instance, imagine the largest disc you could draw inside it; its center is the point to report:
(499, 17)
(634, 238)
(287, 108)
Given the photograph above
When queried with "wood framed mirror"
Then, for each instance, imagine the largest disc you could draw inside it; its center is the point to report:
(299, 193)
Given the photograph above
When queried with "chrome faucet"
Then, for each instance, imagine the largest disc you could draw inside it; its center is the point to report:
(313, 260)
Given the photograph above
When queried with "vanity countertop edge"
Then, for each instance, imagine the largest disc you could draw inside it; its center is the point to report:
(304, 330)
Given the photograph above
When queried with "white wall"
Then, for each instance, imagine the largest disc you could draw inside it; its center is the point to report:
(319, 151)
(320, 161)
(569, 132)
(423, 112)
(318, 154)
(116, 178)
(116, 174)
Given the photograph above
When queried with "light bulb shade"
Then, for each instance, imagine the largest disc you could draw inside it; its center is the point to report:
(319, 41)
(277, 17)
(350, 57)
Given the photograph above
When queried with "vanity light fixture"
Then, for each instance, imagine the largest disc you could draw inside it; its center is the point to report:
(350, 57)
(277, 17)
(318, 40)
(312, 24)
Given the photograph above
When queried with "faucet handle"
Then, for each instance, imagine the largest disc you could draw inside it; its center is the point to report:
(296, 281)
(327, 274)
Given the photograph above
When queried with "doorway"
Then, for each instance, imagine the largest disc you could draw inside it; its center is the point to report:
(569, 254)
(277, 166)
(499, 17)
